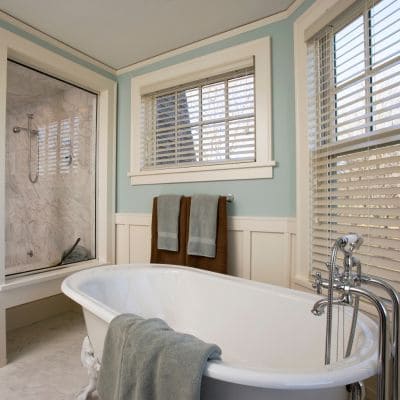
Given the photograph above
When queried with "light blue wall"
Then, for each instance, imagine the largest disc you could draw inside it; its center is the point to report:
(259, 197)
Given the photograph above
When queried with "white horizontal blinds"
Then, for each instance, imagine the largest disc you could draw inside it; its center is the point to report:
(354, 126)
(211, 121)
(59, 146)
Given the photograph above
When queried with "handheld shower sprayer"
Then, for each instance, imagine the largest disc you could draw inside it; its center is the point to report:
(31, 132)
(349, 243)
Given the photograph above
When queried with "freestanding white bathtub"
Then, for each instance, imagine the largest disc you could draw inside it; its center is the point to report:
(272, 346)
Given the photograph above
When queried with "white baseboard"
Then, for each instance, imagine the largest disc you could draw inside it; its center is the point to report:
(260, 248)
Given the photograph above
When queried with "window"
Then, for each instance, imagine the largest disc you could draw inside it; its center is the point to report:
(354, 127)
(197, 120)
(206, 122)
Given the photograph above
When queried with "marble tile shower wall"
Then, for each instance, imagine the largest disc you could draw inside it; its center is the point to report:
(45, 218)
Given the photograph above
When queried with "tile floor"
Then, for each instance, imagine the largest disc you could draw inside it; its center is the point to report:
(44, 360)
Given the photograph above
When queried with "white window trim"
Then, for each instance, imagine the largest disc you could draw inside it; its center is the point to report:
(309, 23)
(212, 64)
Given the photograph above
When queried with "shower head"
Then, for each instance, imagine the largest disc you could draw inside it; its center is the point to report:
(350, 243)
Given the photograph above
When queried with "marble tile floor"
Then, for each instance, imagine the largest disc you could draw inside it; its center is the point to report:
(44, 360)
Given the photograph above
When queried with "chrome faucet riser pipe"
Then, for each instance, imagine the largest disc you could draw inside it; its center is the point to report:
(328, 338)
(382, 390)
(394, 296)
(356, 307)
(353, 326)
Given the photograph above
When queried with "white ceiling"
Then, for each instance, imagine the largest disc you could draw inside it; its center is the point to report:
(122, 32)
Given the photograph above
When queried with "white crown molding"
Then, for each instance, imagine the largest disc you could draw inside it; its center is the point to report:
(55, 42)
(215, 38)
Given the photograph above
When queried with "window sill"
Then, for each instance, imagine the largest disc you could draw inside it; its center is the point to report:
(204, 174)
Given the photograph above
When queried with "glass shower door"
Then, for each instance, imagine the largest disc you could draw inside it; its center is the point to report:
(50, 172)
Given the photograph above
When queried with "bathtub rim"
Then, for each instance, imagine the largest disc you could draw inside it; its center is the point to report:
(323, 378)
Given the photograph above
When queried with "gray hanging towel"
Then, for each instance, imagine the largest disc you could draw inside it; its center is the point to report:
(203, 225)
(168, 207)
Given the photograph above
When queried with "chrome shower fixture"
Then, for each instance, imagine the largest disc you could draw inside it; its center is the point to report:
(349, 243)
(348, 284)
(31, 132)
(18, 129)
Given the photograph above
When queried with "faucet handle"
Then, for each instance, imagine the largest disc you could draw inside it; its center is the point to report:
(317, 282)
(335, 268)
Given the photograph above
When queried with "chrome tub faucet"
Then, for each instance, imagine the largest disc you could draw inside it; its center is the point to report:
(348, 283)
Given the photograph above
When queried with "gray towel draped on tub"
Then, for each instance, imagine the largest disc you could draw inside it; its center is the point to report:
(144, 359)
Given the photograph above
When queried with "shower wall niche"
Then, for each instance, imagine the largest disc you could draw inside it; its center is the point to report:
(50, 171)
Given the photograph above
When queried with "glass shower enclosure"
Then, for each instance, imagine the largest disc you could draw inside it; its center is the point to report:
(50, 172)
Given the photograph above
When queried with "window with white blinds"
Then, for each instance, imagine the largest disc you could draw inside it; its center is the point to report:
(211, 121)
(354, 128)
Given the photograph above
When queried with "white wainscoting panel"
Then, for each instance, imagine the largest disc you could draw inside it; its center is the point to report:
(261, 249)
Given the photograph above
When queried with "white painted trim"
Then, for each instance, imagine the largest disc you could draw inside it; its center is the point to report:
(22, 50)
(242, 260)
(214, 63)
(213, 39)
(55, 42)
(204, 174)
(307, 24)
(235, 223)
(35, 287)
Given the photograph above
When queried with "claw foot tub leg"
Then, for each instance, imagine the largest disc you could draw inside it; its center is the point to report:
(91, 363)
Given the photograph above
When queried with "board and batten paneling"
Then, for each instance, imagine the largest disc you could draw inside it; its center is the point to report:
(260, 248)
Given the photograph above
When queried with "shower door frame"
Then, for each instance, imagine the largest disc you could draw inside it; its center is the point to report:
(19, 290)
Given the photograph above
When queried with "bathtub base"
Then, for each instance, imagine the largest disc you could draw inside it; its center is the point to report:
(212, 389)
(92, 364)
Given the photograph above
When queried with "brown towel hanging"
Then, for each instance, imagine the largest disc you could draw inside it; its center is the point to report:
(217, 264)
(165, 256)
(220, 262)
